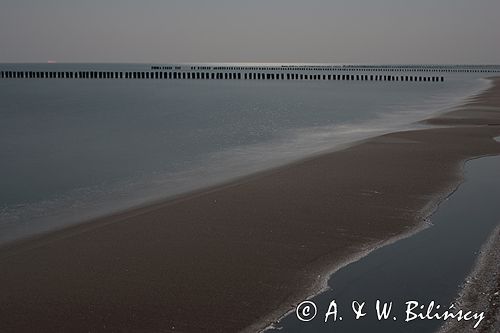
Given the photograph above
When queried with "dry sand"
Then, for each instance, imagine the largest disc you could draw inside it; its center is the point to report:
(240, 254)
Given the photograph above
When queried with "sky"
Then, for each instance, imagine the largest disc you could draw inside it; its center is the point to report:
(177, 31)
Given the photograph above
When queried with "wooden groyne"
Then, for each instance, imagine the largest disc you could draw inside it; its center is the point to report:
(212, 75)
(386, 73)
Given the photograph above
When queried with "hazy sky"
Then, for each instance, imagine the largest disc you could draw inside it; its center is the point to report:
(165, 31)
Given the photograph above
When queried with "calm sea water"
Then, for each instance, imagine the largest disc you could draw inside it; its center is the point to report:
(75, 149)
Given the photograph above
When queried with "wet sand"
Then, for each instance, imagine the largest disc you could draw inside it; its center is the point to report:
(481, 291)
(241, 254)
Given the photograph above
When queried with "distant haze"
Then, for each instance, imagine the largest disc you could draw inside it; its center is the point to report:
(167, 31)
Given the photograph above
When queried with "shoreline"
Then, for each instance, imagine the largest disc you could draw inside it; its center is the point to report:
(255, 243)
(59, 211)
(425, 218)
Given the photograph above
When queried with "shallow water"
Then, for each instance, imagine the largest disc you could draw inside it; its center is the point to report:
(75, 149)
(429, 266)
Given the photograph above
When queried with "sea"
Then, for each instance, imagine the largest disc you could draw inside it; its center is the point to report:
(74, 149)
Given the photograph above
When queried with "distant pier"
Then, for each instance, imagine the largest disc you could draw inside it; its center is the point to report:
(389, 73)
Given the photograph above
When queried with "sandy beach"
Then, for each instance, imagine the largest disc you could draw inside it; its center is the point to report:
(239, 255)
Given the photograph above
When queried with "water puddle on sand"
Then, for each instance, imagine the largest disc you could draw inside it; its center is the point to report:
(429, 266)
